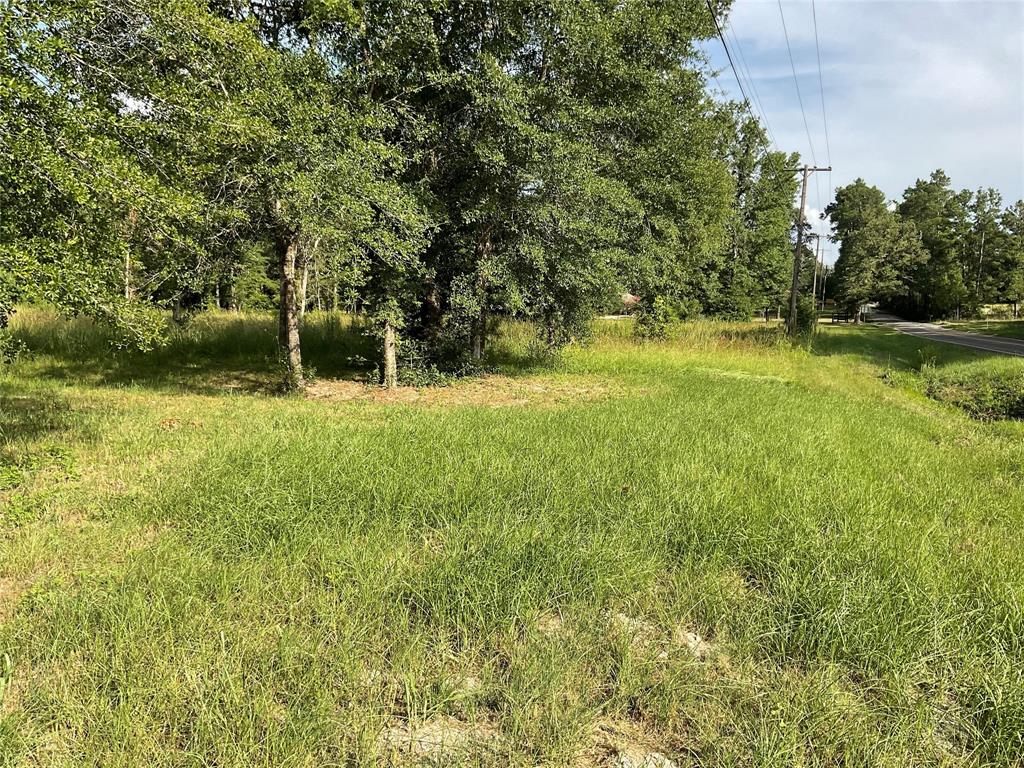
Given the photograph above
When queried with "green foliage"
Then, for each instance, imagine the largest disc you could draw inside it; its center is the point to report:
(437, 165)
(754, 270)
(252, 287)
(654, 319)
(806, 317)
(975, 251)
(11, 348)
(994, 391)
(879, 253)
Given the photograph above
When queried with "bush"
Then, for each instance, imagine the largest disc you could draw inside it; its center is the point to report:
(11, 348)
(806, 317)
(654, 319)
(992, 391)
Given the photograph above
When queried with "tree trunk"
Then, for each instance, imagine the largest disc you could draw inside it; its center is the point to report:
(133, 218)
(288, 317)
(479, 336)
(127, 273)
(977, 282)
(316, 288)
(484, 249)
(303, 285)
(389, 380)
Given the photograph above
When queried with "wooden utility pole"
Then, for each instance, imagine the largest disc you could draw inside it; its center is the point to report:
(807, 170)
(817, 257)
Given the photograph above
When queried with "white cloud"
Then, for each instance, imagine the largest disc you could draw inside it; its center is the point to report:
(910, 86)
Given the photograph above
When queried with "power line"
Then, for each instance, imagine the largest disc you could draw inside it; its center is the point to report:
(800, 100)
(821, 90)
(796, 80)
(821, 84)
(728, 55)
(745, 69)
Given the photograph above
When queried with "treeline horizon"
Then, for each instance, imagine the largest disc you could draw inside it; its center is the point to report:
(438, 166)
(937, 253)
(435, 166)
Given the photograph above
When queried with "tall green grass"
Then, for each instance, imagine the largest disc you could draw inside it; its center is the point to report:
(202, 354)
(247, 580)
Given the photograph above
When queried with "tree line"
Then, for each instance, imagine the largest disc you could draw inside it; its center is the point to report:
(433, 166)
(936, 253)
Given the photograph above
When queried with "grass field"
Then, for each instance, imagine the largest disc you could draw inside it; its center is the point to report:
(1013, 329)
(717, 550)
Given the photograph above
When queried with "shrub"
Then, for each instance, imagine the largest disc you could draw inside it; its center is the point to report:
(806, 317)
(654, 319)
(11, 348)
(993, 391)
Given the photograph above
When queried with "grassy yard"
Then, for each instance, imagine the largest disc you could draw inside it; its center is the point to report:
(716, 550)
(1013, 329)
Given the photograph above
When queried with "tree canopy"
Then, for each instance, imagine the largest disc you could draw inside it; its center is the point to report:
(937, 253)
(431, 165)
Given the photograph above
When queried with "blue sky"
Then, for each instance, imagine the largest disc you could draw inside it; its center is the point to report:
(909, 86)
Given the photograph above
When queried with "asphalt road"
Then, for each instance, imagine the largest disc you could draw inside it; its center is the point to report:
(933, 332)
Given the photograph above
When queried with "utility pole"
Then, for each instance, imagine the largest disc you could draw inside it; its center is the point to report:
(807, 170)
(817, 256)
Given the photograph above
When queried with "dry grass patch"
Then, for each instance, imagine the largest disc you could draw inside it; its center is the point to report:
(11, 590)
(495, 391)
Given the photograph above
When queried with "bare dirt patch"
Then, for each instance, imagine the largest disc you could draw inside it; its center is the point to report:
(627, 745)
(550, 624)
(439, 740)
(493, 391)
(643, 635)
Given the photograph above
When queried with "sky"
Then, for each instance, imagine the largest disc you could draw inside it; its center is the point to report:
(909, 86)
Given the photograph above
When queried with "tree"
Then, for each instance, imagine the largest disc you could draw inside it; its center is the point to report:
(80, 168)
(937, 212)
(984, 242)
(758, 263)
(435, 164)
(878, 252)
(1012, 284)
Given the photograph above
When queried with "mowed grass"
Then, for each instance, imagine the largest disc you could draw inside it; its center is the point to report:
(717, 548)
(1013, 329)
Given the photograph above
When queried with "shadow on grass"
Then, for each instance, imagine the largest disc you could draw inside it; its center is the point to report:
(213, 353)
(891, 349)
(29, 417)
(220, 352)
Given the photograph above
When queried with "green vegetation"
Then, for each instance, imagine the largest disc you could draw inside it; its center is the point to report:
(716, 547)
(994, 390)
(437, 167)
(642, 543)
(1013, 329)
(939, 254)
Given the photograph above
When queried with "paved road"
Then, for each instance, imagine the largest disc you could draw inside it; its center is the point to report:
(937, 333)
